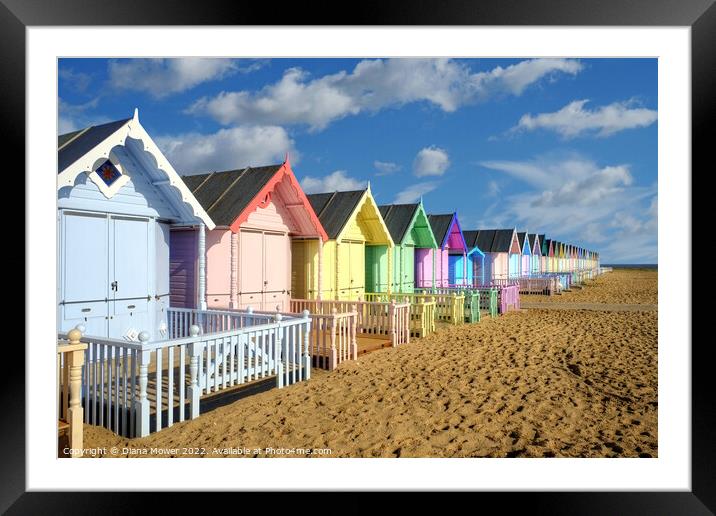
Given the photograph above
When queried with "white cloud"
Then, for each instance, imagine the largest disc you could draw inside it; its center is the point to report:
(226, 149)
(572, 198)
(493, 189)
(72, 117)
(431, 161)
(385, 168)
(574, 120)
(337, 181)
(414, 192)
(79, 81)
(374, 84)
(163, 77)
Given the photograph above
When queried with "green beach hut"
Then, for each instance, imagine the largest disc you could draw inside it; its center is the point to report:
(409, 228)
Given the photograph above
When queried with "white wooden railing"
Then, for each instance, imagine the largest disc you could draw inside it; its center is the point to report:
(135, 388)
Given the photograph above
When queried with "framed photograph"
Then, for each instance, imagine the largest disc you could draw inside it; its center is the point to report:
(439, 235)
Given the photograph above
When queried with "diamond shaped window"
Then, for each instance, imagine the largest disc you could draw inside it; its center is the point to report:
(108, 172)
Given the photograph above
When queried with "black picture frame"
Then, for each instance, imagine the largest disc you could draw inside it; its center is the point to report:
(16, 15)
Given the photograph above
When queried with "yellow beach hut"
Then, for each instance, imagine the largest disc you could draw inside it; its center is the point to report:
(358, 249)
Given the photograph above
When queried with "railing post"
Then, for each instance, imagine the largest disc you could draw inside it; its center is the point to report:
(391, 322)
(332, 353)
(306, 345)
(75, 413)
(407, 323)
(194, 389)
(278, 353)
(142, 407)
(354, 327)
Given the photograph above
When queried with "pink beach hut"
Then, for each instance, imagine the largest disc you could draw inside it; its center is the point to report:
(445, 269)
(257, 211)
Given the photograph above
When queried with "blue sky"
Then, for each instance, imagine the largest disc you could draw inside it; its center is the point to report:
(566, 147)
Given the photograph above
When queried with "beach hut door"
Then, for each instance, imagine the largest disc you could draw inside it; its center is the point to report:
(105, 275)
(130, 266)
(276, 266)
(407, 269)
(84, 281)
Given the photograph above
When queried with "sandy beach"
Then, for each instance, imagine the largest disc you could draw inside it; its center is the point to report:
(540, 382)
(621, 286)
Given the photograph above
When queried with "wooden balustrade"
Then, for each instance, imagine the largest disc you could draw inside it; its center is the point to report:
(134, 388)
(70, 359)
(374, 318)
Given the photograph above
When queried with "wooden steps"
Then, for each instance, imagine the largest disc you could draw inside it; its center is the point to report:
(62, 427)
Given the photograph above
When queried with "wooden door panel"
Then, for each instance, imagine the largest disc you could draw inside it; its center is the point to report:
(251, 262)
(85, 275)
(277, 260)
(131, 258)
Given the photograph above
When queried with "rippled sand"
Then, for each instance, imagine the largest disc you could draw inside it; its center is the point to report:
(535, 383)
(628, 286)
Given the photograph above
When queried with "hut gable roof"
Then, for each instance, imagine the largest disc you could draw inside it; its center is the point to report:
(232, 195)
(485, 237)
(401, 219)
(86, 150)
(398, 218)
(336, 210)
(535, 243)
(444, 226)
(440, 225)
(544, 246)
(225, 195)
(525, 247)
(502, 241)
(471, 238)
(72, 146)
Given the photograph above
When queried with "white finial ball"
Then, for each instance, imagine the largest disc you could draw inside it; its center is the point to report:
(250, 309)
(144, 336)
(193, 330)
(307, 314)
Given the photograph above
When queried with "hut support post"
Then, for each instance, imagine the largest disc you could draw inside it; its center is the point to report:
(234, 288)
(390, 269)
(433, 251)
(201, 253)
(320, 269)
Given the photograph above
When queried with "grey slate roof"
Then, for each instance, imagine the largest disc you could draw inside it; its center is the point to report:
(440, 225)
(334, 209)
(72, 146)
(485, 237)
(224, 195)
(531, 238)
(502, 241)
(471, 238)
(544, 245)
(398, 218)
(521, 239)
